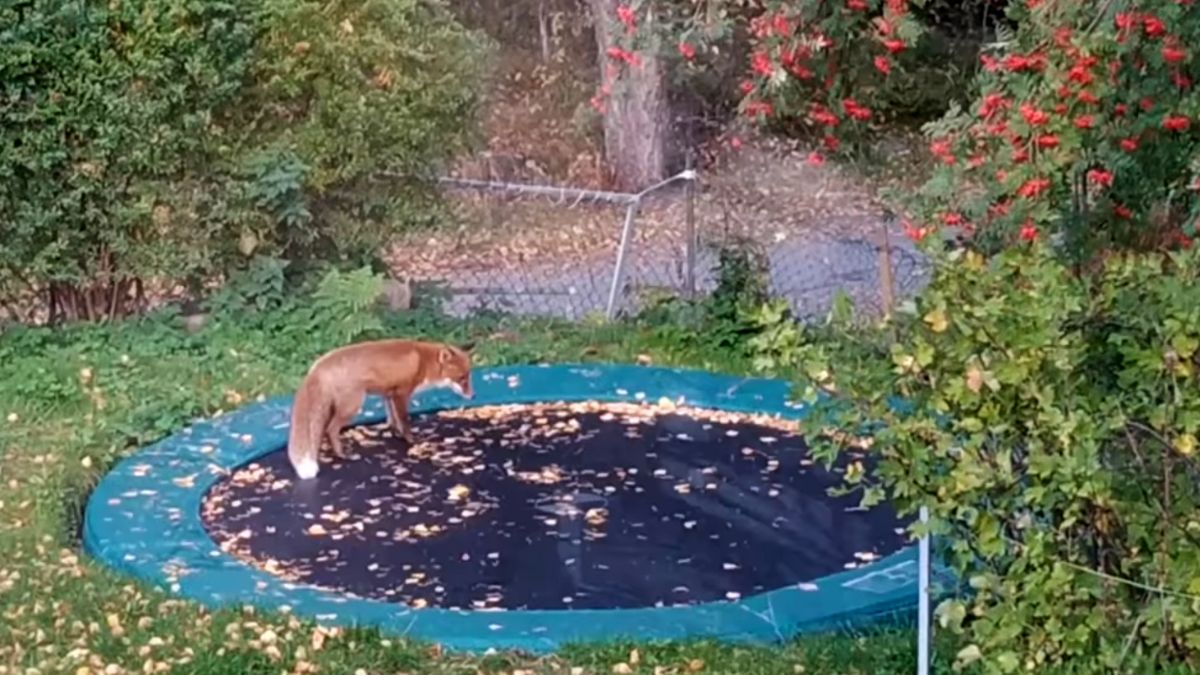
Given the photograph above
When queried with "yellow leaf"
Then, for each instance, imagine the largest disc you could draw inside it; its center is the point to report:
(968, 655)
(1186, 445)
(937, 321)
(854, 472)
(974, 379)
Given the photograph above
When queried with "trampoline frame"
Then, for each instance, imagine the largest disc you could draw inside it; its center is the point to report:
(143, 519)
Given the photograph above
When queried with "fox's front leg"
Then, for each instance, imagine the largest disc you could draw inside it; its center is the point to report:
(397, 404)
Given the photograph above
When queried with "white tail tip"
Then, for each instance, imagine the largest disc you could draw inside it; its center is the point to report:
(306, 469)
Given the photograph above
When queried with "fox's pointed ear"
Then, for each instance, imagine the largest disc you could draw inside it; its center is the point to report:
(445, 355)
(467, 346)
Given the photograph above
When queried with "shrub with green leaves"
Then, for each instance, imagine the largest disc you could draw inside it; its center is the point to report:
(1049, 423)
(168, 140)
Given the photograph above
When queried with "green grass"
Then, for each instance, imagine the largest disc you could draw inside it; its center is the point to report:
(73, 401)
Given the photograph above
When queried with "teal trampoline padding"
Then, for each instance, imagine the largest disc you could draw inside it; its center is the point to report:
(144, 520)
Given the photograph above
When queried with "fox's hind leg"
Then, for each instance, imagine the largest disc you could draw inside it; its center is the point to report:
(345, 408)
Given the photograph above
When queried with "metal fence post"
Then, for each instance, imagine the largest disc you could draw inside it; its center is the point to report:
(887, 291)
(622, 253)
(689, 280)
(923, 627)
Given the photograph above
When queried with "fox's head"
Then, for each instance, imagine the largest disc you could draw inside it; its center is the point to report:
(454, 364)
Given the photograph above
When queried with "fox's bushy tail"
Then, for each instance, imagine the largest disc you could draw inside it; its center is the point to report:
(310, 415)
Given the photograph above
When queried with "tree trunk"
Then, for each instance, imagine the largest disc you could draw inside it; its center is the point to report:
(635, 111)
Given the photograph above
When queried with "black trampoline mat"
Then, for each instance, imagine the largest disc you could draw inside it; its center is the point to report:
(555, 506)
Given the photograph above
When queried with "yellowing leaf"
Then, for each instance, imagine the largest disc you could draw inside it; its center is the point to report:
(854, 472)
(1186, 445)
(967, 655)
(937, 321)
(974, 379)
(1185, 345)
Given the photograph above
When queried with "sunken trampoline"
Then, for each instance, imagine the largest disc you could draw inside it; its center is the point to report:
(566, 504)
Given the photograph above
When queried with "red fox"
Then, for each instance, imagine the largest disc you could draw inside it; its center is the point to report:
(334, 388)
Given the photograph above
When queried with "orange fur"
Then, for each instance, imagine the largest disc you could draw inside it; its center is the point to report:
(334, 388)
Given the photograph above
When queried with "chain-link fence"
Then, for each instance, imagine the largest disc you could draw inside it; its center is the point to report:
(536, 249)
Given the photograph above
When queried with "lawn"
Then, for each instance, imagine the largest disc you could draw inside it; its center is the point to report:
(75, 400)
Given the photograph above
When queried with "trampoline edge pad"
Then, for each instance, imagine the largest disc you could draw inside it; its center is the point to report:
(143, 520)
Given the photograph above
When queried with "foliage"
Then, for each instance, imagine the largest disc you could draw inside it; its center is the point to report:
(1049, 423)
(352, 89)
(725, 318)
(813, 64)
(743, 278)
(257, 287)
(166, 140)
(1083, 126)
(1082, 121)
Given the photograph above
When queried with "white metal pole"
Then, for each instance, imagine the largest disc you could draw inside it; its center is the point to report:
(619, 268)
(923, 624)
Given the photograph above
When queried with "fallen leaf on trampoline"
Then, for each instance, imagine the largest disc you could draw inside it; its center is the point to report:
(866, 556)
(317, 530)
(806, 586)
(459, 492)
(731, 566)
(733, 595)
(185, 481)
(683, 488)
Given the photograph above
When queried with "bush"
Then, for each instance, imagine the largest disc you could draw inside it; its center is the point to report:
(168, 140)
(1083, 125)
(1049, 423)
